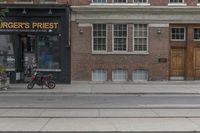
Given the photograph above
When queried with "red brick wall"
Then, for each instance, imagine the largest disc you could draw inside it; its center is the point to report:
(83, 61)
(191, 2)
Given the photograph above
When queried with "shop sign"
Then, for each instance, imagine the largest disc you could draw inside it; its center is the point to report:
(18, 26)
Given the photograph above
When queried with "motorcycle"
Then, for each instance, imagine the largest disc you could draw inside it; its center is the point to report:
(41, 80)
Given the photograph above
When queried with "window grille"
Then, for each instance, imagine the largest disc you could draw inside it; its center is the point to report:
(119, 75)
(99, 37)
(120, 37)
(99, 75)
(140, 75)
(178, 33)
(140, 37)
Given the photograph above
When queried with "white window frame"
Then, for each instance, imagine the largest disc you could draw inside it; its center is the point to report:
(120, 80)
(119, 2)
(193, 34)
(100, 51)
(141, 37)
(177, 39)
(116, 51)
(177, 3)
(99, 2)
(143, 70)
(142, 3)
(104, 73)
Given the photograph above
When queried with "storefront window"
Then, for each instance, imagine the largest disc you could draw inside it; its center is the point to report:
(7, 51)
(48, 52)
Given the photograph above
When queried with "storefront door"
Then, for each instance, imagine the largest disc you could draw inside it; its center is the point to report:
(26, 56)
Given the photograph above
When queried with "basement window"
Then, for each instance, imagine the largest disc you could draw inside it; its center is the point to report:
(99, 75)
(140, 75)
(119, 75)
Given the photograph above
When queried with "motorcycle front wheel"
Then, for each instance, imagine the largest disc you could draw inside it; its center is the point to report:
(31, 85)
(51, 84)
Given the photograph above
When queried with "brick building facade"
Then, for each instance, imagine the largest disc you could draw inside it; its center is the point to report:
(133, 40)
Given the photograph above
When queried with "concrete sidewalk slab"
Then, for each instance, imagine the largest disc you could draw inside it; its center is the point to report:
(100, 124)
(185, 87)
(99, 113)
(22, 124)
(121, 124)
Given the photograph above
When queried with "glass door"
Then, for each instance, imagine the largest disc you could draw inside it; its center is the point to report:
(26, 57)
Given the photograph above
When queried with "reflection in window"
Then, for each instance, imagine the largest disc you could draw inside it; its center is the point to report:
(196, 33)
(48, 52)
(119, 1)
(7, 51)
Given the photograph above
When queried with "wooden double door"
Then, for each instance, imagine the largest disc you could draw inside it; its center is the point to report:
(182, 67)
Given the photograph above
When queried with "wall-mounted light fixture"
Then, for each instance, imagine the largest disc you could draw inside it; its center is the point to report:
(50, 12)
(24, 11)
(81, 30)
(158, 30)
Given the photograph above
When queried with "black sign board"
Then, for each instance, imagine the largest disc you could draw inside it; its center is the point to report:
(162, 60)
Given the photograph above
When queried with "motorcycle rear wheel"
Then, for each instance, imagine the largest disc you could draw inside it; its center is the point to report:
(51, 84)
(31, 85)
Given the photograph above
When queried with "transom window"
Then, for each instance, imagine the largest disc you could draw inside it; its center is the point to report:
(140, 1)
(196, 33)
(178, 33)
(119, 75)
(99, 75)
(119, 1)
(140, 37)
(99, 37)
(176, 1)
(140, 75)
(99, 1)
(120, 37)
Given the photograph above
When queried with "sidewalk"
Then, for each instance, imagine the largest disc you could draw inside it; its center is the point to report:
(154, 87)
(103, 119)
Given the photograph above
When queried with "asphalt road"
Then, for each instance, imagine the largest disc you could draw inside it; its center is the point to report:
(99, 101)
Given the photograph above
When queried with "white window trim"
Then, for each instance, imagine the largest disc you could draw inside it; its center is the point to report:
(141, 52)
(177, 40)
(177, 4)
(102, 51)
(143, 3)
(122, 52)
(97, 3)
(119, 3)
(196, 40)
